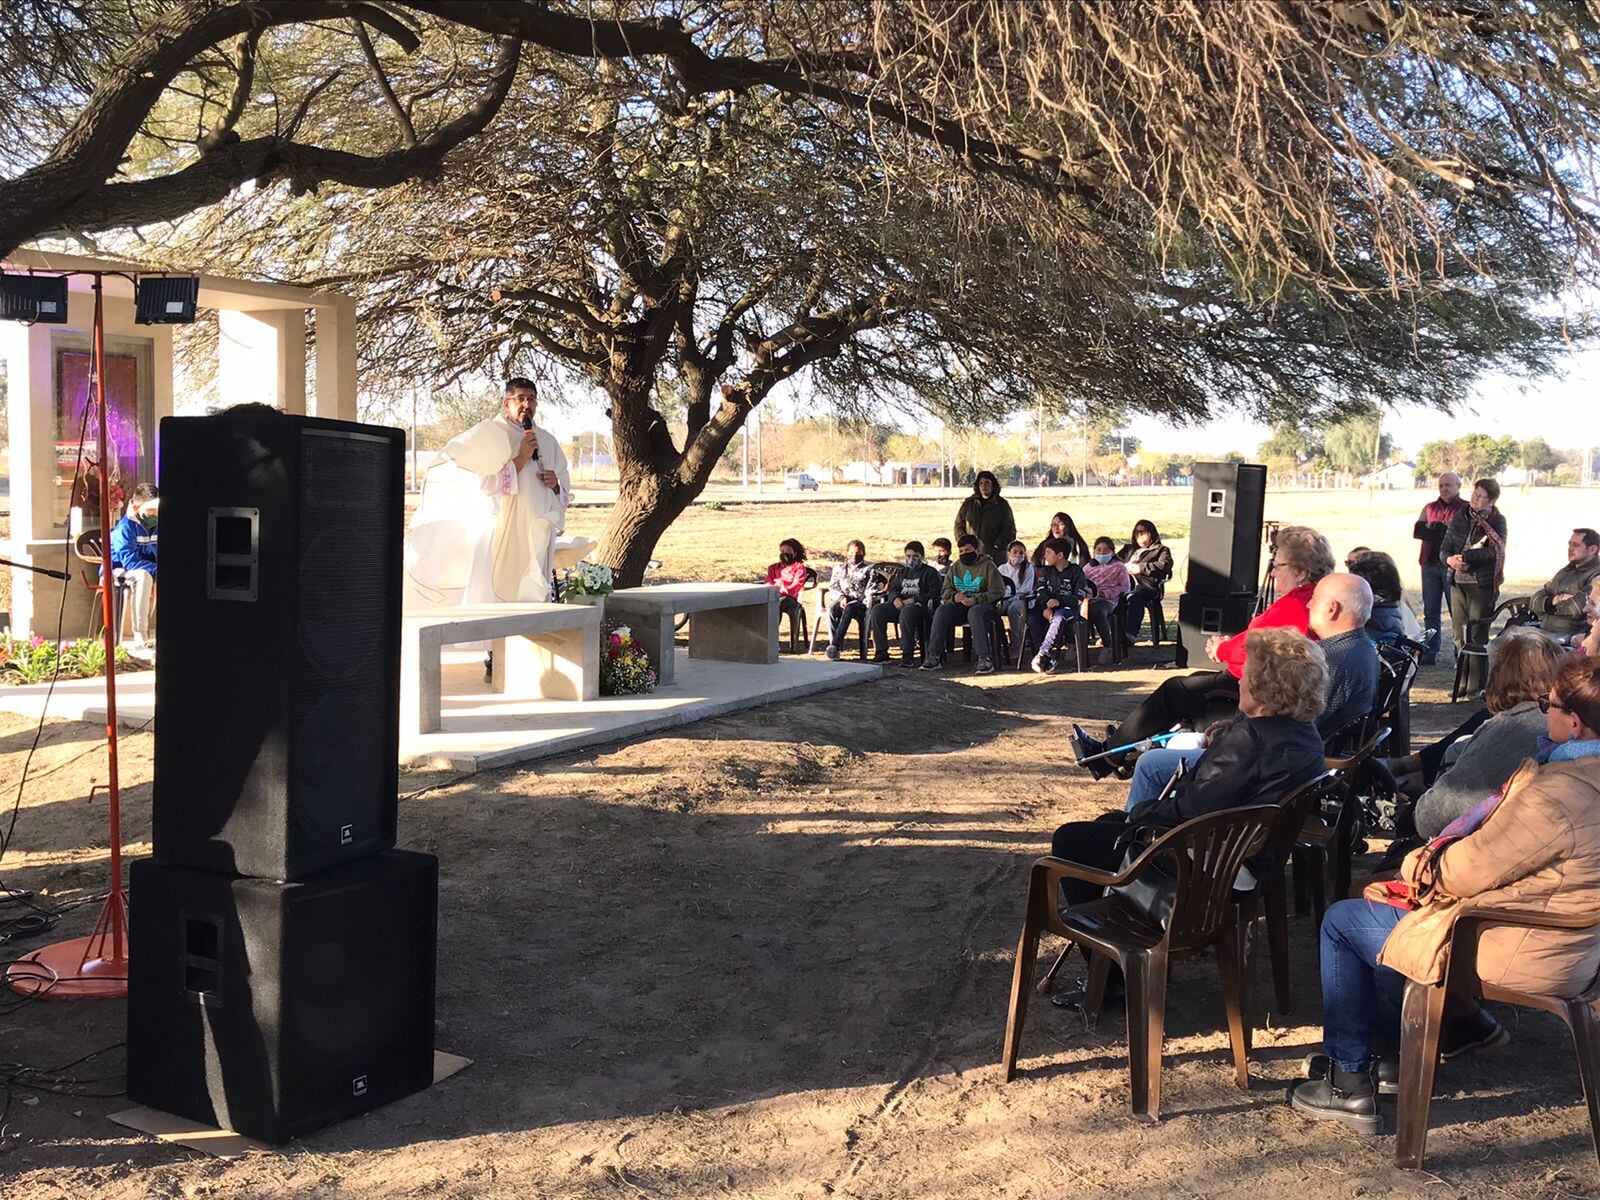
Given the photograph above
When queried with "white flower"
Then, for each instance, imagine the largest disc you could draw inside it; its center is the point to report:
(623, 632)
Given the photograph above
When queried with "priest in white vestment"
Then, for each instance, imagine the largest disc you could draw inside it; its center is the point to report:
(485, 530)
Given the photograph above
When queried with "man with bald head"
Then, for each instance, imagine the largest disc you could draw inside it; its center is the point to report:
(1430, 530)
(1340, 607)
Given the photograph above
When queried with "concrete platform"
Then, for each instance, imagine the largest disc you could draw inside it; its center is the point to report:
(482, 729)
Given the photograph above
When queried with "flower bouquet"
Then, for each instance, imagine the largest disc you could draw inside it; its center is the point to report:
(625, 668)
(589, 579)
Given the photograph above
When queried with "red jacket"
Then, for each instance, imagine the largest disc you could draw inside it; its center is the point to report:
(1292, 609)
(790, 577)
(1432, 525)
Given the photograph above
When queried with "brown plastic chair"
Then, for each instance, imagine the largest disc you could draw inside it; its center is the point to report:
(1326, 847)
(89, 546)
(1300, 807)
(1422, 1017)
(1204, 856)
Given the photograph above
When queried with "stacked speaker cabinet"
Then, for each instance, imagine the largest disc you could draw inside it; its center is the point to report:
(282, 953)
(1225, 523)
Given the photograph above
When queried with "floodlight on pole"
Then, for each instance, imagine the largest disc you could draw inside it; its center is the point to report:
(97, 966)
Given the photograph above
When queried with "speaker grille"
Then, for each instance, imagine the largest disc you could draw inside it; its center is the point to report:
(342, 625)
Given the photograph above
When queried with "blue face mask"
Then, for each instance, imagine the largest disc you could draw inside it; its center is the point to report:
(1103, 558)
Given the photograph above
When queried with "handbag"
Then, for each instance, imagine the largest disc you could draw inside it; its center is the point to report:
(1153, 890)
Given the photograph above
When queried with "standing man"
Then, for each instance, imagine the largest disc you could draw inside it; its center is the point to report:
(1430, 530)
(485, 530)
(133, 552)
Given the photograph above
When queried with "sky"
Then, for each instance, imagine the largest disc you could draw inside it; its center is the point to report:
(1558, 408)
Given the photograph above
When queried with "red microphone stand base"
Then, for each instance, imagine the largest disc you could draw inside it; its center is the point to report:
(86, 968)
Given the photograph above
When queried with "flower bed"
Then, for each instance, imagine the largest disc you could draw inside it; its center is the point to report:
(35, 659)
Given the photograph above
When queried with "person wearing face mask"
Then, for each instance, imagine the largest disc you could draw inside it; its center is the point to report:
(1150, 564)
(972, 587)
(1111, 582)
(941, 555)
(133, 552)
(1474, 548)
(1023, 577)
(1429, 530)
(986, 515)
(788, 575)
(849, 586)
(912, 596)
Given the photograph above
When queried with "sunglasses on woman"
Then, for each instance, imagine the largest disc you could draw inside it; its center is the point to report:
(1546, 704)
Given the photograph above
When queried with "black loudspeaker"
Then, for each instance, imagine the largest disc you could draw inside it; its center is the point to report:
(274, 1009)
(1200, 618)
(278, 680)
(1225, 528)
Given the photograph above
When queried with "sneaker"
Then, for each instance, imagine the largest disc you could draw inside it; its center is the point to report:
(1105, 659)
(1350, 1099)
(1041, 664)
(1466, 1035)
(833, 654)
(931, 664)
(880, 659)
(909, 663)
(985, 667)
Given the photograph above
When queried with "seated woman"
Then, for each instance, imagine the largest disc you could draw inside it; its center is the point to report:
(788, 575)
(1537, 849)
(1303, 557)
(1150, 564)
(1061, 526)
(1458, 772)
(1259, 757)
(1388, 620)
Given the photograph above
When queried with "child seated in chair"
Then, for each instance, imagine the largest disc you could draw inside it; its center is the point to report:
(1059, 594)
(788, 575)
(1112, 582)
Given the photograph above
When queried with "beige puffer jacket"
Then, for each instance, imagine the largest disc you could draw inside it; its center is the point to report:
(1538, 851)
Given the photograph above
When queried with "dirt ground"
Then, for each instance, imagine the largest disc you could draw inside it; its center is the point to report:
(769, 956)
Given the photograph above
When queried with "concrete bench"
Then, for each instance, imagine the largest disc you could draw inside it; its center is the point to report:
(734, 622)
(543, 650)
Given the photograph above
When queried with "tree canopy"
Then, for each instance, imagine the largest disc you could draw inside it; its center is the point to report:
(1299, 209)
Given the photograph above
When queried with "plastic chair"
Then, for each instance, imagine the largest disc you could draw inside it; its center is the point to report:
(1080, 643)
(89, 546)
(1204, 856)
(1326, 843)
(1422, 1018)
(1477, 643)
(1327, 792)
(824, 623)
(1401, 660)
(797, 618)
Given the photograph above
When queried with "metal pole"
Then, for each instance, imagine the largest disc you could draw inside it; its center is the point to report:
(414, 446)
(759, 482)
(108, 612)
(744, 465)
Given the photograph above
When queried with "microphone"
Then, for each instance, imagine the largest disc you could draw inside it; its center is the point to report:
(527, 420)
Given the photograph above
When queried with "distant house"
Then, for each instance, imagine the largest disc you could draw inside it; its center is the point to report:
(1398, 476)
(890, 473)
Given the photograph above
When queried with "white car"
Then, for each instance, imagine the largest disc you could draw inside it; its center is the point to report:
(801, 483)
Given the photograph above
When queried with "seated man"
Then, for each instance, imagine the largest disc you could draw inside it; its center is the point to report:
(133, 552)
(1259, 757)
(1559, 604)
(909, 603)
(972, 587)
(1340, 606)
(1301, 559)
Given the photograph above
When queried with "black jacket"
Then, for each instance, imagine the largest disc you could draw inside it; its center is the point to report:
(1150, 567)
(1067, 584)
(1251, 760)
(1464, 538)
(922, 585)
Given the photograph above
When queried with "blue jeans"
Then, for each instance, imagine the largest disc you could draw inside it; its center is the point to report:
(1153, 770)
(1435, 585)
(1360, 999)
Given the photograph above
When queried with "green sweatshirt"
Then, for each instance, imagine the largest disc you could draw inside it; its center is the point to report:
(982, 579)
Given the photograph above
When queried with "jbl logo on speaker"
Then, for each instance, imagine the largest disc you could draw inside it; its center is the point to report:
(358, 1086)
(347, 834)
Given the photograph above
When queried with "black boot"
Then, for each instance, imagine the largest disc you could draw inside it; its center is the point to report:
(1084, 746)
(1350, 1098)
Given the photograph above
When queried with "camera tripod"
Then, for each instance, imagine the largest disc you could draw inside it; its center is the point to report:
(1267, 593)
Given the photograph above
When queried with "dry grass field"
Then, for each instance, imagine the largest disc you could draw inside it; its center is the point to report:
(769, 955)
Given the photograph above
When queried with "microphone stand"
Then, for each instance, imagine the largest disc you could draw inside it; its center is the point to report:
(65, 576)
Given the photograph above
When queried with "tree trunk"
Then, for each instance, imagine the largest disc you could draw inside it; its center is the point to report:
(646, 505)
